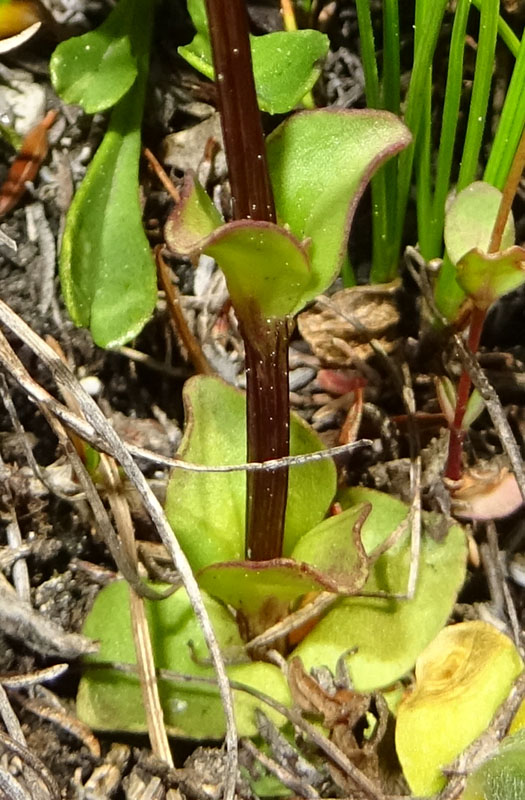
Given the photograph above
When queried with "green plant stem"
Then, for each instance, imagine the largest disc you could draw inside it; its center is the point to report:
(266, 343)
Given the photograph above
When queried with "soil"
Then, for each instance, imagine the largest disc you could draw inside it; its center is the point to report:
(66, 559)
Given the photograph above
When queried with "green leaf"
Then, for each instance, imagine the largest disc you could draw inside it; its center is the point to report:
(501, 777)
(470, 220)
(111, 700)
(387, 633)
(330, 558)
(206, 510)
(475, 407)
(261, 590)
(335, 549)
(266, 268)
(97, 69)
(461, 680)
(106, 270)
(320, 163)
(285, 64)
(485, 277)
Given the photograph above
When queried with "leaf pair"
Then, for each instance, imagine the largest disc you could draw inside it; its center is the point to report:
(483, 275)
(319, 164)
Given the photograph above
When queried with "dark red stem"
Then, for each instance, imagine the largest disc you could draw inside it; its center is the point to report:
(457, 434)
(265, 342)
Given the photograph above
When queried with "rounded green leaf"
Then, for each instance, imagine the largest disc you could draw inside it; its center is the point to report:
(487, 276)
(286, 65)
(335, 549)
(207, 510)
(266, 268)
(461, 679)
(320, 163)
(97, 69)
(111, 700)
(470, 220)
(387, 633)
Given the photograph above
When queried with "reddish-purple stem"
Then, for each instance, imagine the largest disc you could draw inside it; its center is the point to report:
(265, 342)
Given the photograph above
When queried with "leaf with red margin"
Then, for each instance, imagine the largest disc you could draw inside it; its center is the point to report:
(263, 264)
(320, 163)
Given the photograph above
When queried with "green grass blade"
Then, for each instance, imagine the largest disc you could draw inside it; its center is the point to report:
(510, 127)
(415, 105)
(391, 57)
(505, 32)
(488, 30)
(448, 128)
(368, 53)
(422, 156)
(373, 100)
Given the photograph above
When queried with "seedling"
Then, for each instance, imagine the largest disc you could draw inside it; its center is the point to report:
(479, 237)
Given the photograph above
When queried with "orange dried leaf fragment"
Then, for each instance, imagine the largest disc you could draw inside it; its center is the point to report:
(26, 165)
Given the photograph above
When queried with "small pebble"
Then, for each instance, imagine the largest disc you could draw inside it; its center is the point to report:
(301, 377)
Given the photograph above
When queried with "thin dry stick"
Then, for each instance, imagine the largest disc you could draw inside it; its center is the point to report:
(297, 619)
(159, 171)
(178, 320)
(19, 571)
(287, 778)
(141, 638)
(9, 718)
(67, 381)
(140, 631)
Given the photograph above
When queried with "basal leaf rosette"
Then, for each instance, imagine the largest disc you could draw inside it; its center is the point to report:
(461, 679)
(328, 558)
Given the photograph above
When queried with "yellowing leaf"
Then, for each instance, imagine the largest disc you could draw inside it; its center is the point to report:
(461, 679)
